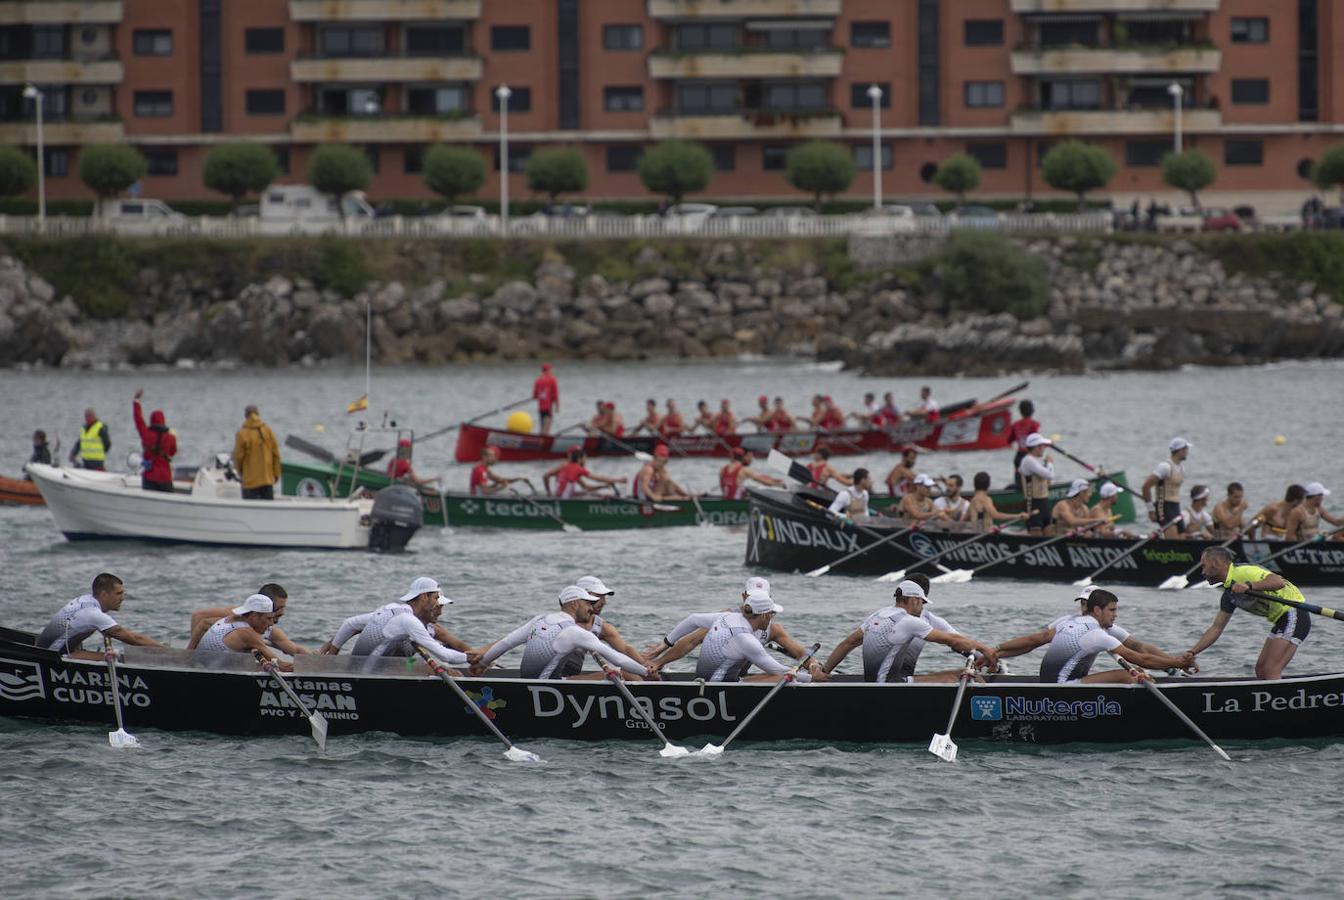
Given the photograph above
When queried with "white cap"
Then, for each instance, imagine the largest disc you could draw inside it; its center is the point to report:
(257, 603)
(572, 593)
(1079, 485)
(925, 480)
(1180, 444)
(1199, 493)
(756, 583)
(1109, 490)
(421, 585)
(1036, 439)
(911, 589)
(593, 585)
(444, 601)
(760, 602)
(1315, 489)
(1087, 591)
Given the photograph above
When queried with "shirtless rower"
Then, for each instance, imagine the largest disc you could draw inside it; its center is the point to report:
(599, 417)
(981, 508)
(1035, 473)
(1228, 513)
(1289, 626)
(483, 480)
(241, 630)
(822, 470)
(1196, 517)
(725, 422)
(572, 478)
(917, 505)
(1073, 512)
(355, 625)
(652, 481)
(397, 628)
(1273, 517)
(202, 619)
(894, 636)
(607, 420)
(734, 475)
(1305, 521)
(851, 501)
(651, 418)
(731, 646)
(672, 424)
(1167, 478)
(86, 614)
(901, 478)
(927, 408)
(1028, 642)
(1109, 494)
(560, 641)
(951, 506)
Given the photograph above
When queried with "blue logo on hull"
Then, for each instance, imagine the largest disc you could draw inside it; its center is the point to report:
(986, 709)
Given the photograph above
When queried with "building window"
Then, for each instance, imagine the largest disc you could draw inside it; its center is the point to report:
(266, 103)
(161, 162)
(1250, 90)
(436, 101)
(351, 40)
(863, 157)
(48, 42)
(1244, 153)
(800, 96)
(622, 37)
(518, 157)
(982, 94)
(56, 162)
(153, 104)
(623, 157)
(282, 159)
(1146, 154)
(774, 157)
(375, 157)
(725, 157)
(510, 37)
(983, 32)
(707, 98)
(146, 42)
(520, 100)
(706, 37)
(1081, 94)
(264, 40)
(793, 40)
(1250, 31)
(990, 154)
(435, 40)
(413, 159)
(1061, 34)
(623, 99)
(869, 34)
(859, 99)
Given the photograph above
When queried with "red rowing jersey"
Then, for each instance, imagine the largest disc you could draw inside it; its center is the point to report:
(832, 418)
(779, 421)
(546, 391)
(817, 468)
(723, 424)
(1020, 429)
(729, 484)
(567, 479)
(399, 468)
(480, 477)
(671, 425)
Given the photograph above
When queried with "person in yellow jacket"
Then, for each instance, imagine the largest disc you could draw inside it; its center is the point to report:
(94, 442)
(256, 455)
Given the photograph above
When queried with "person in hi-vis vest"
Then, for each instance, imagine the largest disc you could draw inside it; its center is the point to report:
(94, 442)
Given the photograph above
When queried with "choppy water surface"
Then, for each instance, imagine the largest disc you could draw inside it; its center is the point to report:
(377, 815)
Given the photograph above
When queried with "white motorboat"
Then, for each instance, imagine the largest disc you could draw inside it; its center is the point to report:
(100, 505)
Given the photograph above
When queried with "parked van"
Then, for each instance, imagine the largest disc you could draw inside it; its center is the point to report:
(305, 209)
(142, 216)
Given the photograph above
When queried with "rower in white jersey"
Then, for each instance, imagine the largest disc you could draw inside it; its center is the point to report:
(605, 631)
(894, 636)
(1167, 478)
(556, 642)
(355, 625)
(274, 636)
(397, 629)
(852, 501)
(731, 646)
(241, 630)
(87, 614)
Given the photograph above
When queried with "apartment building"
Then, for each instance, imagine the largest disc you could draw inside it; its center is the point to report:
(1261, 86)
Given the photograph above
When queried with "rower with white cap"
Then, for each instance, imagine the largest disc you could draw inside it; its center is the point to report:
(558, 642)
(605, 631)
(202, 619)
(917, 505)
(397, 628)
(241, 630)
(1072, 511)
(1036, 471)
(1305, 520)
(355, 625)
(1109, 494)
(1167, 477)
(731, 646)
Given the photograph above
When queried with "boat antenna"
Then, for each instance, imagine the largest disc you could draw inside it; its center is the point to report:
(368, 348)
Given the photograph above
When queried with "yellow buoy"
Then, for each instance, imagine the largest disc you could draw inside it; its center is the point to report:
(1054, 438)
(1279, 440)
(319, 428)
(519, 422)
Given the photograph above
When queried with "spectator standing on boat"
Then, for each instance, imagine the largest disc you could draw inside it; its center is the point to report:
(84, 615)
(928, 407)
(158, 446)
(274, 636)
(483, 478)
(652, 481)
(1197, 519)
(1273, 517)
(1228, 513)
(902, 476)
(241, 630)
(94, 442)
(1020, 430)
(1305, 521)
(546, 391)
(822, 470)
(41, 452)
(1289, 626)
(256, 455)
(1036, 471)
(399, 467)
(981, 508)
(1167, 478)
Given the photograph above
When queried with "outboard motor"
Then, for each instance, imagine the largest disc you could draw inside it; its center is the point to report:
(397, 515)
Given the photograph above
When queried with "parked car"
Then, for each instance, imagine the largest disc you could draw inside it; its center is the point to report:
(973, 216)
(684, 217)
(924, 208)
(1216, 218)
(465, 212)
(789, 212)
(144, 216)
(734, 212)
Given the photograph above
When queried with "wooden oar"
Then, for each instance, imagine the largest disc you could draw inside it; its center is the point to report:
(1094, 470)
(565, 526)
(817, 573)
(1087, 579)
(670, 749)
(473, 420)
(1300, 604)
(1153, 689)
(119, 739)
(961, 576)
(514, 753)
(717, 749)
(314, 450)
(942, 746)
(899, 574)
(1182, 581)
(1008, 393)
(877, 538)
(316, 720)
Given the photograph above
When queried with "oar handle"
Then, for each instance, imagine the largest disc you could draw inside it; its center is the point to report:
(1299, 604)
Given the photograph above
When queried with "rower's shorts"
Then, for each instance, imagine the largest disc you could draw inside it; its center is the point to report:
(1293, 626)
(1172, 511)
(1040, 513)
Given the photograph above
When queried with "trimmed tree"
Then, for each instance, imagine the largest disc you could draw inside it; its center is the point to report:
(821, 168)
(986, 272)
(109, 169)
(452, 172)
(557, 171)
(1329, 172)
(240, 169)
(1078, 168)
(1191, 171)
(675, 169)
(18, 172)
(959, 174)
(338, 169)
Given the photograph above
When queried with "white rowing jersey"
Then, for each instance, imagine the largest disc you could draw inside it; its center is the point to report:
(850, 501)
(555, 644)
(213, 640)
(372, 635)
(1198, 520)
(403, 631)
(731, 647)
(1074, 648)
(887, 635)
(705, 620)
(74, 622)
(905, 663)
(1114, 631)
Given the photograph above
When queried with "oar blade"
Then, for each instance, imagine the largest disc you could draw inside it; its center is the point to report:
(817, 573)
(569, 528)
(673, 751)
(642, 456)
(1085, 581)
(122, 740)
(710, 750)
(891, 577)
(1174, 583)
(956, 576)
(319, 724)
(942, 747)
(518, 754)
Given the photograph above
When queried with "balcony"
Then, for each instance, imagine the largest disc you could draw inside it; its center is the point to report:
(382, 69)
(1079, 60)
(410, 129)
(741, 9)
(57, 133)
(1112, 121)
(60, 71)
(382, 10)
(746, 64)
(709, 126)
(1115, 6)
(60, 12)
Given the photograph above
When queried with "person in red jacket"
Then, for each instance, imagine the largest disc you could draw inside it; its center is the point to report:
(546, 391)
(158, 446)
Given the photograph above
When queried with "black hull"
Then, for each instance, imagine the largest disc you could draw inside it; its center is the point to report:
(173, 690)
(787, 536)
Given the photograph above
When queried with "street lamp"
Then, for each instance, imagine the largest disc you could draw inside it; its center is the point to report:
(875, 95)
(32, 93)
(1176, 92)
(502, 93)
